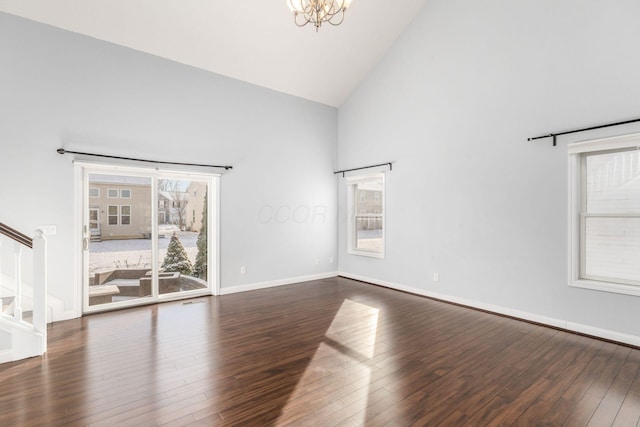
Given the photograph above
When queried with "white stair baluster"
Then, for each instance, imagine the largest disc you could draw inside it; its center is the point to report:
(40, 285)
(17, 310)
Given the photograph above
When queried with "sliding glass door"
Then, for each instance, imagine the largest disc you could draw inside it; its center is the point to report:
(146, 236)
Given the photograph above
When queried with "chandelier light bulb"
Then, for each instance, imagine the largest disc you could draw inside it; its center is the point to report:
(318, 11)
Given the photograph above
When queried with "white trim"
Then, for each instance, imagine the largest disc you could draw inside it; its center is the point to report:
(596, 285)
(83, 169)
(352, 181)
(519, 314)
(65, 315)
(573, 243)
(101, 166)
(612, 143)
(274, 283)
(79, 220)
(121, 214)
(213, 230)
(117, 214)
(576, 213)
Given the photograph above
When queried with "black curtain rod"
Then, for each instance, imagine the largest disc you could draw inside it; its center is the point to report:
(63, 151)
(365, 167)
(554, 135)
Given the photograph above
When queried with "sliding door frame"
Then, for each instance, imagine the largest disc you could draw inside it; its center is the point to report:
(82, 171)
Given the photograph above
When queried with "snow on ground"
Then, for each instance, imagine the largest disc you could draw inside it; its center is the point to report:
(135, 253)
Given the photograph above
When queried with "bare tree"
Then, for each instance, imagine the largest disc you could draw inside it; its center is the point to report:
(178, 200)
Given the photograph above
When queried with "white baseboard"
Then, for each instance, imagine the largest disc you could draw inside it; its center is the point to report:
(65, 315)
(274, 283)
(549, 321)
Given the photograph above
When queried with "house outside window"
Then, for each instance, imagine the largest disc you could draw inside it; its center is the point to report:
(605, 214)
(94, 192)
(112, 193)
(125, 193)
(366, 215)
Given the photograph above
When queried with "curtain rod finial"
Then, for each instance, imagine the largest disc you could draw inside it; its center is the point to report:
(60, 150)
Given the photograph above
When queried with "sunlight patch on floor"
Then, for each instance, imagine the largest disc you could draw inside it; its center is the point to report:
(339, 367)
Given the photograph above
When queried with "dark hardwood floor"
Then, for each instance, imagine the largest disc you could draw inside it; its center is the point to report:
(332, 352)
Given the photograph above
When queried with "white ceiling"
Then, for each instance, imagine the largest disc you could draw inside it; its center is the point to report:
(252, 40)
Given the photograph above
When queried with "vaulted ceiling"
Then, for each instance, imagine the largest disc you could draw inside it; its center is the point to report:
(253, 40)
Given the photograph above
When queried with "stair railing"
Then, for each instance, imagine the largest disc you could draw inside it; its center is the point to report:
(39, 246)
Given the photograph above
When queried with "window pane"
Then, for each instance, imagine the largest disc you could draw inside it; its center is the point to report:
(125, 194)
(368, 218)
(612, 248)
(369, 200)
(182, 228)
(369, 233)
(613, 182)
(94, 192)
(120, 255)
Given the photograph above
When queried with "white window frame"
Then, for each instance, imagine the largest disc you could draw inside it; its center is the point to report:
(97, 192)
(123, 215)
(82, 172)
(352, 182)
(109, 190)
(577, 152)
(116, 215)
(122, 190)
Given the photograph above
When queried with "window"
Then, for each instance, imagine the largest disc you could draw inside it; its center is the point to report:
(94, 192)
(605, 214)
(112, 193)
(125, 215)
(125, 193)
(113, 215)
(366, 218)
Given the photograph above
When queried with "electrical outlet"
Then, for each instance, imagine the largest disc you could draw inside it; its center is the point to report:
(436, 277)
(243, 269)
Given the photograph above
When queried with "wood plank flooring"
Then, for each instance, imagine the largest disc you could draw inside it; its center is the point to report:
(329, 353)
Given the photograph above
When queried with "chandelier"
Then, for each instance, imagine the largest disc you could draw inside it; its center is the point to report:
(318, 11)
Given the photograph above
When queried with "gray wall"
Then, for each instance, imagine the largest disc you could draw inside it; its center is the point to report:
(452, 103)
(62, 89)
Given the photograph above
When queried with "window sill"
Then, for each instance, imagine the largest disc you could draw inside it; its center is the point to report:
(367, 254)
(617, 288)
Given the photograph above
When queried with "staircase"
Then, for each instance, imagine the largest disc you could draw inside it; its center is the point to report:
(23, 309)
